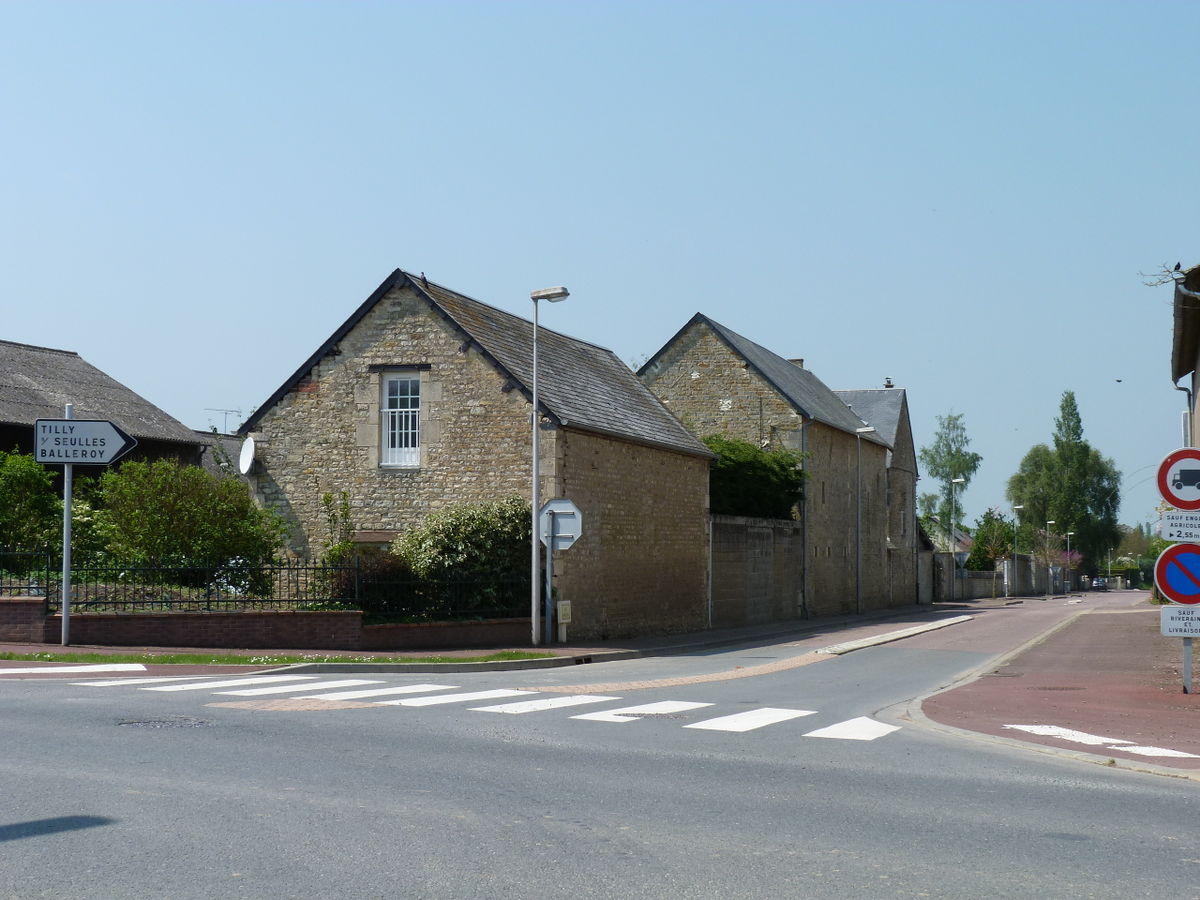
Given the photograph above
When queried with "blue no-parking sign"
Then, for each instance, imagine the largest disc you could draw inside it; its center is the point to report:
(1177, 573)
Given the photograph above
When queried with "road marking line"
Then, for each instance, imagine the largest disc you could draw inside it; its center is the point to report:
(454, 698)
(861, 729)
(751, 719)
(524, 706)
(633, 713)
(1155, 751)
(120, 681)
(292, 688)
(82, 667)
(381, 692)
(292, 704)
(1095, 740)
(1066, 734)
(235, 682)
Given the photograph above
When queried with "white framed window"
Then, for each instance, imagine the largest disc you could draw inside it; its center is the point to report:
(400, 436)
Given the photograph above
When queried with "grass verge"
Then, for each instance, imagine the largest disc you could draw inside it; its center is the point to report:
(216, 659)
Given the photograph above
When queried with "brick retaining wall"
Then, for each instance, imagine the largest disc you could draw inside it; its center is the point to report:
(23, 619)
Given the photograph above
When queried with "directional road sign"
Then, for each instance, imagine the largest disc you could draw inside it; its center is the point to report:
(1177, 573)
(86, 442)
(1179, 478)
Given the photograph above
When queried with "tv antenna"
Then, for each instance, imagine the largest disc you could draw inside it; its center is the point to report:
(225, 423)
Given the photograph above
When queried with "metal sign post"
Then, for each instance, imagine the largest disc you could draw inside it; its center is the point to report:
(559, 526)
(1177, 570)
(68, 489)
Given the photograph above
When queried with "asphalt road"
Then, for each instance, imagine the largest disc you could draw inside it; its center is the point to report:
(804, 780)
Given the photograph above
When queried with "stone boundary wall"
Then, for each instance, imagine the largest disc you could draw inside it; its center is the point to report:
(757, 571)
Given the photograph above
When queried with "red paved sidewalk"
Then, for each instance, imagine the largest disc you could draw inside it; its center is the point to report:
(1106, 673)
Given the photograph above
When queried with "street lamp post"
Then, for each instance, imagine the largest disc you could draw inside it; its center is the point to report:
(954, 482)
(1067, 564)
(1013, 573)
(1049, 571)
(858, 433)
(554, 295)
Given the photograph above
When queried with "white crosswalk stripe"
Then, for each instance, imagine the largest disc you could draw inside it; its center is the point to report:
(378, 692)
(525, 706)
(234, 682)
(751, 719)
(455, 698)
(293, 688)
(862, 728)
(119, 682)
(633, 713)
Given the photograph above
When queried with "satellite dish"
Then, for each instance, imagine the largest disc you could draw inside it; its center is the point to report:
(246, 457)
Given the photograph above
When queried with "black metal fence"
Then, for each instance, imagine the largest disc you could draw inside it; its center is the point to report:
(288, 585)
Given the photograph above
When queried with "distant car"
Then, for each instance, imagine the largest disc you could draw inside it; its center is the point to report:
(1099, 584)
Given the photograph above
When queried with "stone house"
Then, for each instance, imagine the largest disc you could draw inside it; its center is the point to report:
(718, 382)
(420, 401)
(886, 409)
(38, 382)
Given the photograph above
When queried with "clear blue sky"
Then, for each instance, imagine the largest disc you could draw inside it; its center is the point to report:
(958, 196)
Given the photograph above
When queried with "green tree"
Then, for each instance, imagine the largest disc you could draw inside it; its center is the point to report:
(746, 480)
(947, 460)
(168, 514)
(992, 541)
(1071, 484)
(30, 510)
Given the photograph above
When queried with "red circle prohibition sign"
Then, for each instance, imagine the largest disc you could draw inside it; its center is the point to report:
(1174, 478)
(1177, 573)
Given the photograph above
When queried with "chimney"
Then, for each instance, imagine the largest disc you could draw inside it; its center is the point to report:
(799, 363)
(887, 383)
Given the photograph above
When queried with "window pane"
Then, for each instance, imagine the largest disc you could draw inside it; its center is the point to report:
(401, 422)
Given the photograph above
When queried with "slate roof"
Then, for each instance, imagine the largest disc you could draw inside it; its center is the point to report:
(580, 385)
(37, 383)
(880, 407)
(806, 393)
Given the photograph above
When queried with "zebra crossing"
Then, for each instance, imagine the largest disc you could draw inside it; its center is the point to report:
(519, 701)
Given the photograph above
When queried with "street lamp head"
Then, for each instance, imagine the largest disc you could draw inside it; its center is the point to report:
(1049, 522)
(553, 294)
(1019, 506)
(958, 481)
(870, 429)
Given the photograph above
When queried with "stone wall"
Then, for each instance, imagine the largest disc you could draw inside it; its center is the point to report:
(324, 436)
(710, 389)
(641, 566)
(713, 391)
(757, 571)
